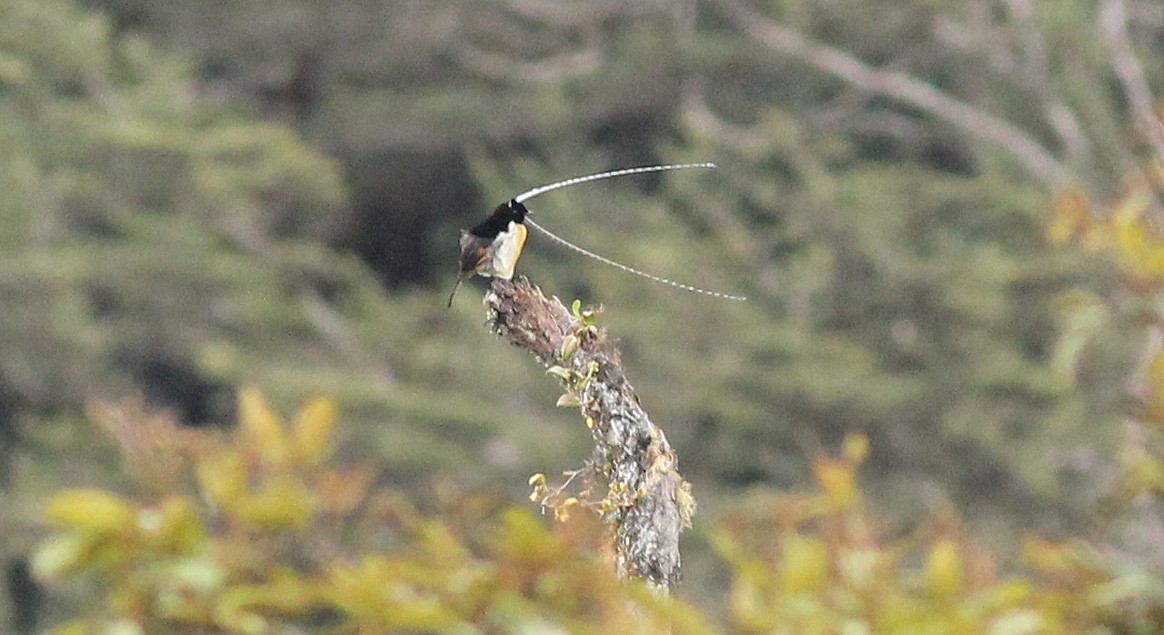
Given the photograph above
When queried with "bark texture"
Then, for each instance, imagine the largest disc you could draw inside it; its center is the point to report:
(647, 503)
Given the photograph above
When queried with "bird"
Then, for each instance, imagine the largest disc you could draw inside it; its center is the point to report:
(492, 248)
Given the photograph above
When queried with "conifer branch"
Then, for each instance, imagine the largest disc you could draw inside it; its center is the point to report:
(647, 502)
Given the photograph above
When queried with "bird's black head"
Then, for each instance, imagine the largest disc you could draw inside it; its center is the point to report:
(499, 220)
(512, 211)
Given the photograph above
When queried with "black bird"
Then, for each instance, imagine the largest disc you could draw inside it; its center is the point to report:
(492, 248)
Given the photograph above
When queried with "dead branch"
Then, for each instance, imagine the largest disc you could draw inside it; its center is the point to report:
(647, 502)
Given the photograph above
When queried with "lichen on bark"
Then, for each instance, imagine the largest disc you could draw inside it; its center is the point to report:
(647, 502)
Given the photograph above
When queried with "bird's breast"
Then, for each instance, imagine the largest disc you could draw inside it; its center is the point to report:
(507, 249)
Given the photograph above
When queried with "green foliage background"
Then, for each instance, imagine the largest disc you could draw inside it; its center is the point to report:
(201, 195)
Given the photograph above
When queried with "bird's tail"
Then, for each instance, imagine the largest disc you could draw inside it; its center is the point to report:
(460, 279)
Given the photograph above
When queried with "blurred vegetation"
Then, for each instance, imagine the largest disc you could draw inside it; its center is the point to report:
(260, 534)
(200, 196)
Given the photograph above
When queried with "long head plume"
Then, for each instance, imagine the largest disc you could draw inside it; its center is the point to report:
(537, 191)
(542, 189)
(679, 285)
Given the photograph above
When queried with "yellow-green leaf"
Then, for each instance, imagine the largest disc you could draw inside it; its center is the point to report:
(261, 426)
(79, 627)
(61, 554)
(179, 527)
(943, 568)
(565, 374)
(838, 479)
(569, 347)
(312, 429)
(91, 510)
(856, 447)
(805, 563)
(222, 476)
(1141, 251)
(282, 502)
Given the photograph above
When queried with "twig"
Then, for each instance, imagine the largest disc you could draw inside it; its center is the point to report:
(1036, 159)
(1113, 18)
(561, 14)
(503, 67)
(331, 325)
(647, 502)
(1035, 75)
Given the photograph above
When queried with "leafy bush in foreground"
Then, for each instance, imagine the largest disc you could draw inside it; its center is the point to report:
(270, 537)
(255, 532)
